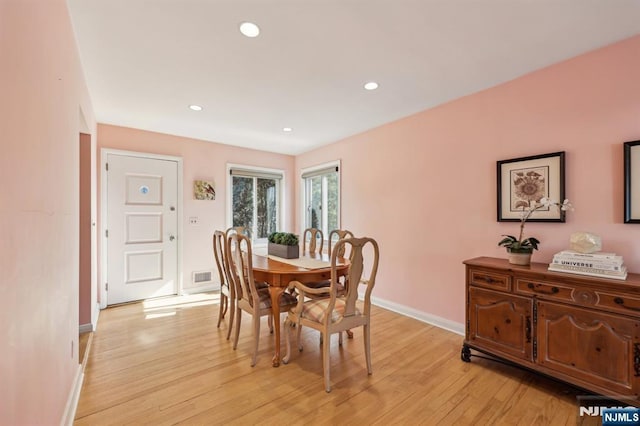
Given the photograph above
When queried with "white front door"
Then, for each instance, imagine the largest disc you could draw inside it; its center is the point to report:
(142, 225)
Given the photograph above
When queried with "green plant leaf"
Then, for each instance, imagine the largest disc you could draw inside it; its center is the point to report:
(508, 241)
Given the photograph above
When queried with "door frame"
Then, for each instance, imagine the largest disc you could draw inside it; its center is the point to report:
(104, 152)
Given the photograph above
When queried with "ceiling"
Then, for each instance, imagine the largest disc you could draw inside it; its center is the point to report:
(146, 61)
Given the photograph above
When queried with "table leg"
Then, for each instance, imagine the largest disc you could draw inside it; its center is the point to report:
(275, 293)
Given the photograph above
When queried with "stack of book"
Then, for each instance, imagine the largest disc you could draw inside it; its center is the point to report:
(599, 264)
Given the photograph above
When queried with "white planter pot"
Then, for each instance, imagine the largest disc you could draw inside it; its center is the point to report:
(519, 258)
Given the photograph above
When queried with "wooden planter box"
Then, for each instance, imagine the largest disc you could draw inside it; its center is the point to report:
(287, 252)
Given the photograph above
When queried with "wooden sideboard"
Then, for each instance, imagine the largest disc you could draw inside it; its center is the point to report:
(579, 329)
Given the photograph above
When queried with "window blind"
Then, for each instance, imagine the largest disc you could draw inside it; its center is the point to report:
(320, 172)
(255, 173)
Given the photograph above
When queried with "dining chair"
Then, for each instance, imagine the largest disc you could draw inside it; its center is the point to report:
(247, 232)
(259, 284)
(250, 299)
(336, 313)
(227, 289)
(315, 237)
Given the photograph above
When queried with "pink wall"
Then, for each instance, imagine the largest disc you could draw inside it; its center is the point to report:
(425, 186)
(205, 161)
(43, 92)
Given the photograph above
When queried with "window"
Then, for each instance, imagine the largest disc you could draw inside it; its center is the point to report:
(255, 200)
(322, 197)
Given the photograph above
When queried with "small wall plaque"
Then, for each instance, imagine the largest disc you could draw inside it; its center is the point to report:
(203, 190)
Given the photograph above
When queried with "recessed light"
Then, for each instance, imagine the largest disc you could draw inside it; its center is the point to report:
(372, 85)
(287, 129)
(249, 29)
(195, 107)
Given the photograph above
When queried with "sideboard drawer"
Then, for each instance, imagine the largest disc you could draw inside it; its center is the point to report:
(541, 288)
(625, 304)
(490, 279)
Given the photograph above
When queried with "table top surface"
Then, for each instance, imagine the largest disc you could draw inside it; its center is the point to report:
(267, 264)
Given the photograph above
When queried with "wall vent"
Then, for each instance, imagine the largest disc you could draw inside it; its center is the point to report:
(202, 277)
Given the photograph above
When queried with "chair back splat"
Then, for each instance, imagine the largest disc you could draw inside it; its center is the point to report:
(315, 238)
(238, 230)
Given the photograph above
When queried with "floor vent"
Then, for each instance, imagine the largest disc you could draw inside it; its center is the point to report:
(202, 277)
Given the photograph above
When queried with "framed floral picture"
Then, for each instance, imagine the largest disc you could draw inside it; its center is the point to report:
(632, 182)
(524, 181)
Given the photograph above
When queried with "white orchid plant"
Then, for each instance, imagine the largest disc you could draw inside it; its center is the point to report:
(527, 245)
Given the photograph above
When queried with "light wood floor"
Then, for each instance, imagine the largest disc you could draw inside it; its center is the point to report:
(165, 362)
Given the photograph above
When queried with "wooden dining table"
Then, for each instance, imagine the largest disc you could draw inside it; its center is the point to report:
(279, 274)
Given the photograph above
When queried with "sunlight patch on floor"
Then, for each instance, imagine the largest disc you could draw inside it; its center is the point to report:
(167, 306)
(160, 315)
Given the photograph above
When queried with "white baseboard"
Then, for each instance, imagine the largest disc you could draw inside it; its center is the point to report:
(72, 401)
(444, 323)
(93, 326)
(201, 289)
(86, 328)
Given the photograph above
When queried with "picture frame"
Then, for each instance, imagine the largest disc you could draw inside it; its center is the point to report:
(527, 179)
(203, 190)
(631, 176)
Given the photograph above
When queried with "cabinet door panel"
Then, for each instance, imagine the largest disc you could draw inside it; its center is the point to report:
(501, 322)
(593, 346)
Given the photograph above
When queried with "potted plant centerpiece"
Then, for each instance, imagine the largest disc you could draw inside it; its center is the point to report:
(284, 244)
(520, 249)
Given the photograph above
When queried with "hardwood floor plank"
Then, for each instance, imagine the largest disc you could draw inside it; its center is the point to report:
(165, 362)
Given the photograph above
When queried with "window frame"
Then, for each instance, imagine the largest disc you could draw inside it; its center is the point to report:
(255, 172)
(304, 191)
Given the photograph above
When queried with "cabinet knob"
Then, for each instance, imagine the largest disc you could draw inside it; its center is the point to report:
(620, 301)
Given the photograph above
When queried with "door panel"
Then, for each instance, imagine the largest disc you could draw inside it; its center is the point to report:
(143, 266)
(142, 228)
(593, 346)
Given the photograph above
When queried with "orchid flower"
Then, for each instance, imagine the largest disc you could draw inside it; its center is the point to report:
(510, 242)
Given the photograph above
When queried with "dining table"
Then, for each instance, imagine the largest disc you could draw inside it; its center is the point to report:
(279, 272)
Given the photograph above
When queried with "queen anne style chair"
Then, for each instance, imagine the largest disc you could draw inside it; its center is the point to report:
(227, 289)
(254, 301)
(335, 313)
(246, 232)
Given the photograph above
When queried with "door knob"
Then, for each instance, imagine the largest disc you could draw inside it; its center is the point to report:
(171, 238)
